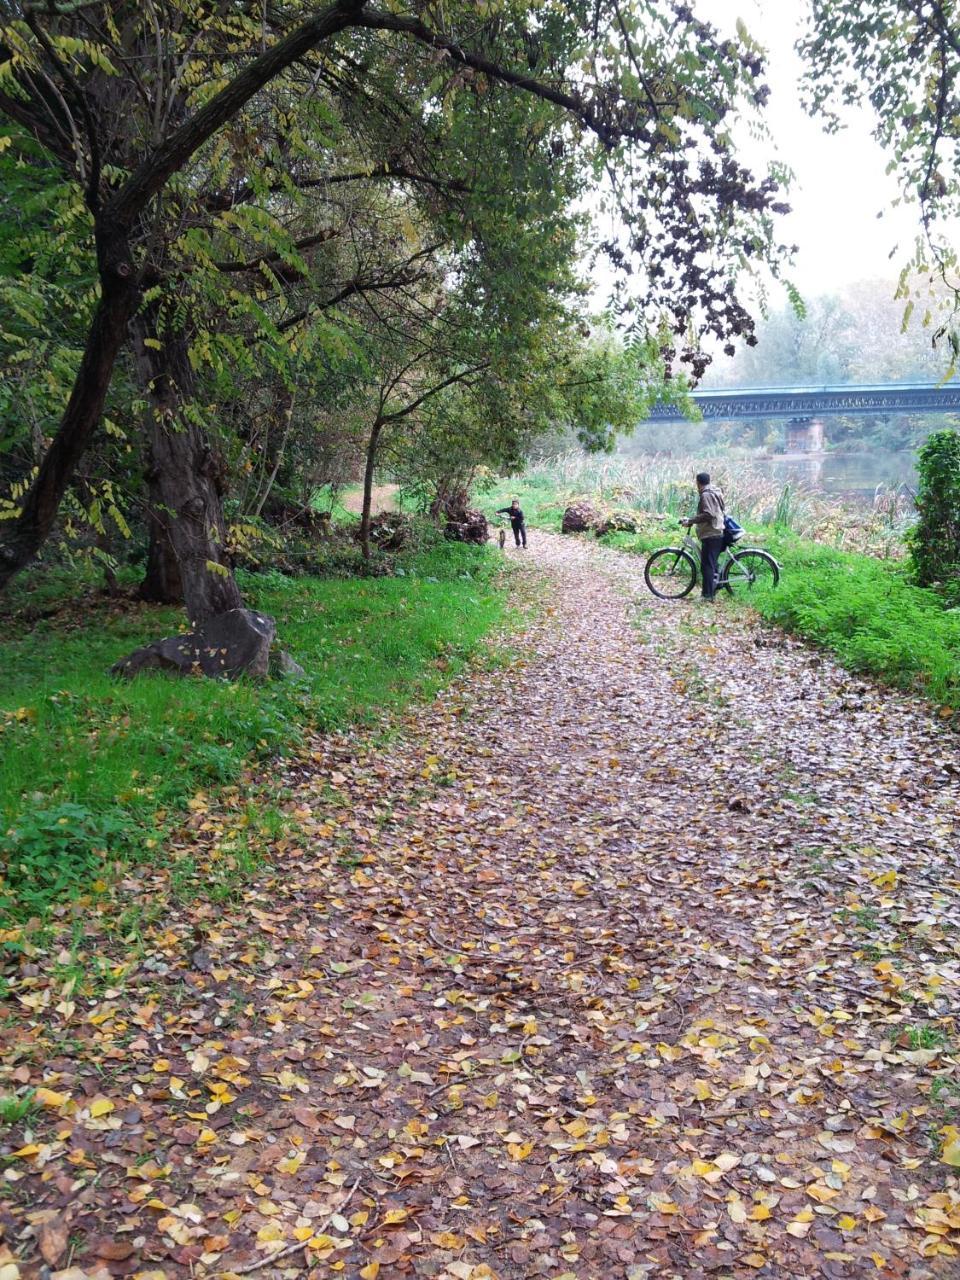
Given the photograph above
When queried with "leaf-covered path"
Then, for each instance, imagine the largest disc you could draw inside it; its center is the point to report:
(637, 956)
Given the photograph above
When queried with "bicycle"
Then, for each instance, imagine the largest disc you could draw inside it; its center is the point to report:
(671, 572)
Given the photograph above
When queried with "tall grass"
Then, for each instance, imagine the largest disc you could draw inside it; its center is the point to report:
(657, 487)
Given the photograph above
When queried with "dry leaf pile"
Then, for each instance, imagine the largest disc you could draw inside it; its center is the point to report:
(638, 958)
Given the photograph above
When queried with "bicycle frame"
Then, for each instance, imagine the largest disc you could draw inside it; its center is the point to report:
(692, 545)
(729, 570)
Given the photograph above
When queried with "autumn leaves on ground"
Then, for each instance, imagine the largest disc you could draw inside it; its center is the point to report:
(635, 956)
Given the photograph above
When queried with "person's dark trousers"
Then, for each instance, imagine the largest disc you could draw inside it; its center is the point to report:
(519, 531)
(709, 557)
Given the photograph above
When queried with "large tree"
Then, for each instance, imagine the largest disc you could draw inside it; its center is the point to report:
(148, 108)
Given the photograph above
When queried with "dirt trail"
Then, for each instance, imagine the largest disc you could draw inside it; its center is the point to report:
(635, 957)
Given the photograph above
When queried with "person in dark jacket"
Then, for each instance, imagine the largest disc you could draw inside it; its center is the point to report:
(709, 525)
(516, 522)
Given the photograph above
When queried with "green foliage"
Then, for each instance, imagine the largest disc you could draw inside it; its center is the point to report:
(935, 538)
(869, 614)
(16, 1107)
(53, 851)
(94, 771)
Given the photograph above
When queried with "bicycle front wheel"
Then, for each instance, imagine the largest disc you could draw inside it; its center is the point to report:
(749, 571)
(670, 573)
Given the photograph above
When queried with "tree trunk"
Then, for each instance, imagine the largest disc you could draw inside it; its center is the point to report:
(183, 478)
(22, 538)
(161, 583)
(368, 486)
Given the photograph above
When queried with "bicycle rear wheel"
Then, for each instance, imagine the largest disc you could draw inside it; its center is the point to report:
(670, 573)
(749, 571)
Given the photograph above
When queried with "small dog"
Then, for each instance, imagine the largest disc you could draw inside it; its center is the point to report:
(503, 538)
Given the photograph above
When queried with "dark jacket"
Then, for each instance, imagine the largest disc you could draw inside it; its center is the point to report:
(515, 514)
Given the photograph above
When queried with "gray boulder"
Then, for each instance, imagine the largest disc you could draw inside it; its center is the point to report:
(229, 645)
(282, 666)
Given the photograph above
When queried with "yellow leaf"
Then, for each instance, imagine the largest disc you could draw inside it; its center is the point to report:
(577, 1128)
(302, 1233)
(667, 1206)
(370, 1271)
(448, 1240)
(206, 1136)
(846, 1222)
(951, 1153)
(49, 1098)
(822, 1194)
(101, 1107)
(702, 1090)
(760, 1213)
(519, 1150)
(31, 1149)
(272, 1231)
(322, 1242)
(394, 1216)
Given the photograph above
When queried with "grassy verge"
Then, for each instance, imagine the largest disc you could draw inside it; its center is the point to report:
(94, 771)
(860, 607)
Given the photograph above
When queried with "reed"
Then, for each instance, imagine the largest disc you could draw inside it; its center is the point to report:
(660, 486)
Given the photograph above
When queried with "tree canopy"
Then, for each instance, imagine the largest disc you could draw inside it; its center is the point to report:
(267, 203)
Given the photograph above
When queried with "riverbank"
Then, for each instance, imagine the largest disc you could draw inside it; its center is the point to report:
(844, 584)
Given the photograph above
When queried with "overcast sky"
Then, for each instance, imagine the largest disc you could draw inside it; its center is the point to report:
(840, 184)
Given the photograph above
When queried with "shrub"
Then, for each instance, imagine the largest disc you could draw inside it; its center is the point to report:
(935, 539)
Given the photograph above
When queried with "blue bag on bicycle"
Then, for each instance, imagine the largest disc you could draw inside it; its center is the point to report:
(732, 532)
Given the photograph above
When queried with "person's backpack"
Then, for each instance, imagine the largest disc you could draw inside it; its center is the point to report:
(732, 532)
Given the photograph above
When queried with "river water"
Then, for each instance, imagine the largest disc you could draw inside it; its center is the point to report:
(852, 475)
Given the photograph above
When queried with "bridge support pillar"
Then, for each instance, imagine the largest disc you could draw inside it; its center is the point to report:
(805, 435)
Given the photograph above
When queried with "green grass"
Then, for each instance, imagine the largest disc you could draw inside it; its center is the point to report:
(95, 770)
(869, 615)
(926, 1035)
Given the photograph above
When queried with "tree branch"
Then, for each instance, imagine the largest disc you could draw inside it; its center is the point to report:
(152, 173)
(415, 404)
(276, 258)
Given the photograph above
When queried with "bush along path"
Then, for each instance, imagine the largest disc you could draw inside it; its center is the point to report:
(635, 958)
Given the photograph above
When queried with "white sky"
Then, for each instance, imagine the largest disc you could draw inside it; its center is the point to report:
(840, 185)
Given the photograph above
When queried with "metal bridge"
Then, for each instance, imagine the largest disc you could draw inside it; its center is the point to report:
(818, 402)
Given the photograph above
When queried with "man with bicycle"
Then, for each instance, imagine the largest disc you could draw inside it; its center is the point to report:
(709, 525)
